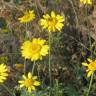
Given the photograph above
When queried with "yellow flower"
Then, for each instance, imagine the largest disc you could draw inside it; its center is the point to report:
(19, 66)
(91, 67)
(53, 22)
(86, 2)
(34, 49)
(3, 72)
(28, 16)
(29, 82)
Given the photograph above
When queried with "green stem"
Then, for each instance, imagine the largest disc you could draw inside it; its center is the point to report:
(33, 67)
(76, 18)
(50, 58)
(8, 90)
(25, 66)
(90, 84)
(57, 88)
(26, 37)
(90, 45)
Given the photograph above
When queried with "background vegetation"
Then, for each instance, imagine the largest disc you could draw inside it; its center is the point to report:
(70, 48)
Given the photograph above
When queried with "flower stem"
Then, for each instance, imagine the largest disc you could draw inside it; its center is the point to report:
(90, 84)
(33, 67)
(57, 88)
(50, 58)
(26, 32)
(90, 45)
(8, 90)
(75, 13)
(24, 66)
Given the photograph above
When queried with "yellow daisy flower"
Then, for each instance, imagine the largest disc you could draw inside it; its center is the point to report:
(52, 22)
(19, 66)
(3, 72)
(34, 49)
(28, 16)
(91, 67)
(29, 82)
(86, 2)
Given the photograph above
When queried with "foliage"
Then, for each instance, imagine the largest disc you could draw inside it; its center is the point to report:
(69, 29)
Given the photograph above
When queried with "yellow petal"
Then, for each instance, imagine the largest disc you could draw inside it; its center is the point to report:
(84, 64)
(29, 89)
(29, 75)
(36, 83)
(24, 77)
(89, 73)
(33, 88)
(53, 14)
(34, 78)
(1, 81)
(22, 85)
(89, 59)
(21, 81)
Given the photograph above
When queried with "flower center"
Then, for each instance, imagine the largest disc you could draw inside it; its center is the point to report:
(36, 48)
(27, 16)
(52, 21)
(28, 82)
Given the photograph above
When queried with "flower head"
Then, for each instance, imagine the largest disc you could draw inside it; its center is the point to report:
(91, 66)
(52, 22)
(19, 66)
(28, 16)
(86, 2)
(34, 49)
(3, 73)
(29, 82)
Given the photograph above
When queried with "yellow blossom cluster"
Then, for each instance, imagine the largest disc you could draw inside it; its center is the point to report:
(37, 48)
